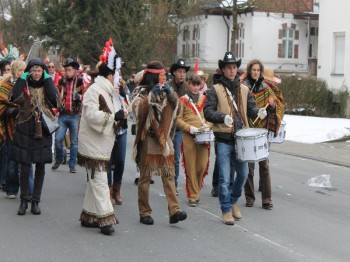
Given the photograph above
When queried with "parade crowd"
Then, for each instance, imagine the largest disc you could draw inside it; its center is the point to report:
(176, 121)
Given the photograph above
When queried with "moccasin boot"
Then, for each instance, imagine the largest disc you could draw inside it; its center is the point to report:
(116, 194)
(22, 208)
(227, 218)
(235, 212)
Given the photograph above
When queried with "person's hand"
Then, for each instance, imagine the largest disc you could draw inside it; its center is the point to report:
(120, 115)
(205, 127)
(156, 89)
(271, 102)
(193, 130)
(228, 120)
(262, 113)
(166, 88)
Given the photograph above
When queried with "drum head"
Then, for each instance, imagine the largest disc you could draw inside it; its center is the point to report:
(251, 132)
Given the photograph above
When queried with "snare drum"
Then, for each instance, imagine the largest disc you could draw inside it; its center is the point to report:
(204, 137)
(252, 145)
(281, 134)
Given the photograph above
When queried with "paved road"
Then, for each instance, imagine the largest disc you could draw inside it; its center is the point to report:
(306, 224)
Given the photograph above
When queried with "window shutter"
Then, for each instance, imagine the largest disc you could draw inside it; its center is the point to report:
(296, 51)
(296, 34)
(279, 50)
(280, 32)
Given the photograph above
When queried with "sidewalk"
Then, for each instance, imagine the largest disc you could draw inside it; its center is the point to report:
(337, 153)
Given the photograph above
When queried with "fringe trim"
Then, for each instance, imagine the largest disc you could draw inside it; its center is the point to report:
(158, 166)
(94, 164)
(101, 221)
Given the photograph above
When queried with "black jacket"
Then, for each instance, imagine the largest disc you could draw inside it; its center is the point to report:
(212, 115)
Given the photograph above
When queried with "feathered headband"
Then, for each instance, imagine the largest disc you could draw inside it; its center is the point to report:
(111, 59)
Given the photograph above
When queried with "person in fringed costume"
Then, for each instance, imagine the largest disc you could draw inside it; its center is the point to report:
(96, 136)
(263, 96)
(155, 106)
(195, 157)
(35, 93)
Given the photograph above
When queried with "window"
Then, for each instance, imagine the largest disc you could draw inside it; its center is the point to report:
(186, 34)
(240, 41)
(288, 48)
(314, 31)
(197, 50)
(196, 33)
(339, 53)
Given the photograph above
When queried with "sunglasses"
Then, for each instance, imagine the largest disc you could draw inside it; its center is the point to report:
(51, 67)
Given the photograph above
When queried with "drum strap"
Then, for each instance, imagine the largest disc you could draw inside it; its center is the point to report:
(195, 108)
(231, 97)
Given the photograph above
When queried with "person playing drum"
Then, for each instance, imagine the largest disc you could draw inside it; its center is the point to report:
(263, 96)
(195, 156)
(228, 105)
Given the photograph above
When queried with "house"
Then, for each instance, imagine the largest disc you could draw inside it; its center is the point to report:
(334, 48)
(283, 36)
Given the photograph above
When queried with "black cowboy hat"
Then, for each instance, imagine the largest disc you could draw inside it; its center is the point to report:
(229, 58)
(180, 63)
(71, 62)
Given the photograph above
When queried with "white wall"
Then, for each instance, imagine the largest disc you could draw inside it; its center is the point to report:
(213, 41)
(334, 17)
(262, 40)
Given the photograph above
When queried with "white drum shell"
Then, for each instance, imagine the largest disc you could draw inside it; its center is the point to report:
(281, 135)
(252, 145)
(204, 137)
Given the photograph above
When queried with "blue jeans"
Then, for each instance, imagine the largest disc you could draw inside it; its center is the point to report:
(177, 148)
(230, 185)
(117, 160)
(70, 122)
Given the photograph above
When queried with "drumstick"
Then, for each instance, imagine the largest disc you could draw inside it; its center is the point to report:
(258, 116)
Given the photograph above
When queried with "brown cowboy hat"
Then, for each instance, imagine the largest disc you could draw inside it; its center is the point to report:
(180, 63)
(203, 75)
(269, 74)
(229, 58)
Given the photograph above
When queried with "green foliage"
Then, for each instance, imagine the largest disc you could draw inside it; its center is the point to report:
(72, 25)
(309, 96)
(20, 26)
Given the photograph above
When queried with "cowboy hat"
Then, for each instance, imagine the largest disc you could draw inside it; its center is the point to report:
(71, 62)
(269, 74)
(203, 75)
(180, 63)
(229, 58)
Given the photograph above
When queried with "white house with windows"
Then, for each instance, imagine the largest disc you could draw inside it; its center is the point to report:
(283, 41)
(334, 47)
